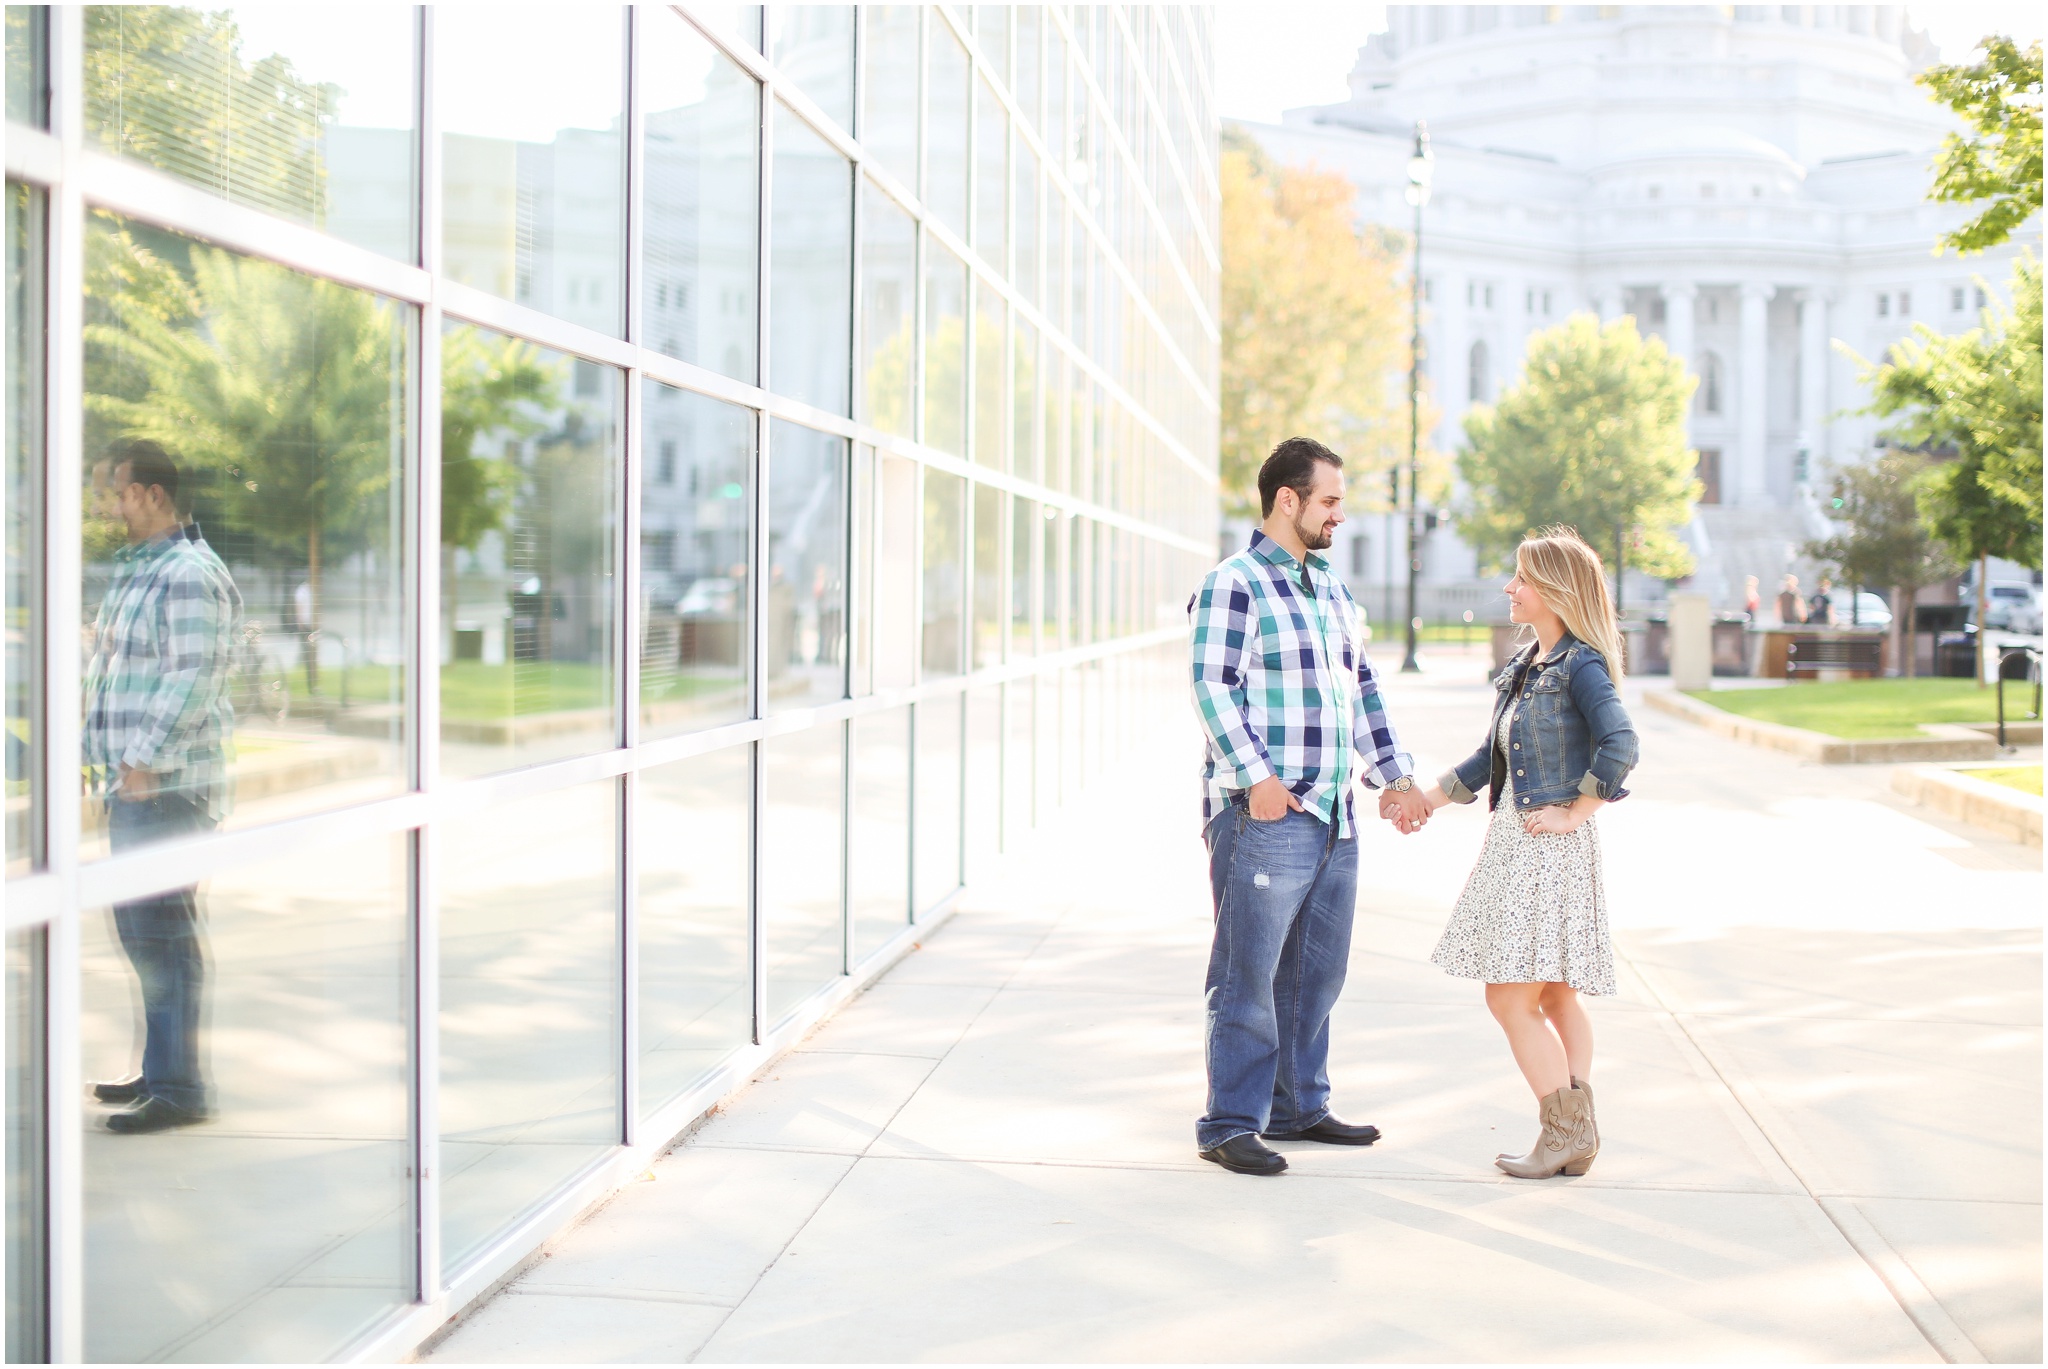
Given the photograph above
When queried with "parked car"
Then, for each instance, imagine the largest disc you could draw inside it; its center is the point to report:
(2007, 598)
(2025, 618)
(1870, 610)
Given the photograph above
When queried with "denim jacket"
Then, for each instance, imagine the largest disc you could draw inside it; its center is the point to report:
(1569, 736)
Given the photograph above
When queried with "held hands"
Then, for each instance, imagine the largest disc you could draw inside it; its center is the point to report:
(1407, 811)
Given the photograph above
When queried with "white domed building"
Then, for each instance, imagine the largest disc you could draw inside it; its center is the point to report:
(1748, 181)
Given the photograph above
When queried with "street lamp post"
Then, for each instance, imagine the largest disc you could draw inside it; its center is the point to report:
(1421, 164)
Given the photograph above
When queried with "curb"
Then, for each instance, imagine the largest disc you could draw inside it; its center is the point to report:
(1999, 808)
(1944, 742)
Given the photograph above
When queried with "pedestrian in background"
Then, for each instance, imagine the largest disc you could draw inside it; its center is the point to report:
(1791, 608)
(1532, 921)
(1752, 600)
(1820, 609)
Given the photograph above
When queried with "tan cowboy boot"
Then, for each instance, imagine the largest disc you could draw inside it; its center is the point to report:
(1567, 1143)
(1585, 1161)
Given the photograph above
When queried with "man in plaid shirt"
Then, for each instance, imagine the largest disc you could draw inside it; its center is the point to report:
(158, 726)
(1292, 712)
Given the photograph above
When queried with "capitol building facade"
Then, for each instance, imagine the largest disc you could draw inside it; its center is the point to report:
(1747, 181)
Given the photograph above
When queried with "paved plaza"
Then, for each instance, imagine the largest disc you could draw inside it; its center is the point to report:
(1820, 1094)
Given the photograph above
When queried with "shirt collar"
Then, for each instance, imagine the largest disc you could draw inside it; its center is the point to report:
(1271, 552)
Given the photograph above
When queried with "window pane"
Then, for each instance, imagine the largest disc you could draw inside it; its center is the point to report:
(1052, 596)
(806, 568)
(800, 865)
(529, 504)
(244, 427)
(888, 116)
(697, 293)
(272, 1008)
(937, 802)
(1023, 537)
(741, 21)
(992, 177)
(27, 1172)
(880, 845)
(1027, 224)
(26, 284)
(988, 576)
(695, 994)
(28, 74)
(810, 274)
(1024, 400)
(894, 599)
(529, 1005)
(814, 47)
(1024, 81)
(991, 415)
(981, 815)
(860, 649)
(888, 289)
(945, 340)
(1018, 766)
(305, 111)
(693, 561)
(945, 188)
(945, 523)
(530, 99)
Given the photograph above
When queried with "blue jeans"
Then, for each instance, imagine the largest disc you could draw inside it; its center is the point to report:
(1284, 896)
(162, 937)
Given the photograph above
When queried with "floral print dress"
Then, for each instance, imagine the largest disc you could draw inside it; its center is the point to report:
(1534, 909)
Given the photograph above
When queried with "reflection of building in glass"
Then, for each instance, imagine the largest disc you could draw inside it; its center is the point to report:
(618, 681)
(1749, 182)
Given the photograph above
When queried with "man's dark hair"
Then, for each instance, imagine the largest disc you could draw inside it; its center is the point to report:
(147, 463)
(1292, 466)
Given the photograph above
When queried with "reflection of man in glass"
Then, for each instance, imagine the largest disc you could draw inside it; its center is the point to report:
(158, 721)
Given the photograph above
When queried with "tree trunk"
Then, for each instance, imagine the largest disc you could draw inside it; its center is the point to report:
(1620, 564)
(1983, 610)
(1909, 658)
(310, 629)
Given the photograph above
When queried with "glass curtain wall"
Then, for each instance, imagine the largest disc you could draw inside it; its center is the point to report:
(542, 542)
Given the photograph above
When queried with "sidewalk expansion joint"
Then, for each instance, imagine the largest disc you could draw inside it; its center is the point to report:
(1893, 1272)
(569, 1290)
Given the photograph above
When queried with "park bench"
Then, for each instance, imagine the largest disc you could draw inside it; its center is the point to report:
(1834, 657)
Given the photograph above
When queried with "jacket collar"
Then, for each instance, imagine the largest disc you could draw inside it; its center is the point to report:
(1273, 554)
(1557, 653)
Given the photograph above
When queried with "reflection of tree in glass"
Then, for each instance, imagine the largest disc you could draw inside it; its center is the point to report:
(888, 383)
(167, 85)
(489, 385)
(280, 392)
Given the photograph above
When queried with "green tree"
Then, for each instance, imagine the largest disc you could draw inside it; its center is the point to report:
(277, 390)
(1975, 399)
(1881, 538)
(1998, 158)
(1314, 322)
(1592, 436)
(167, 85)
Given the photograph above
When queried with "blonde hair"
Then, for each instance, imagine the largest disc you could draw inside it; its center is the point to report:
(1568, 574)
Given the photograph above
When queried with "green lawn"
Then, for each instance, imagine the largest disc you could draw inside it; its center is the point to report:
(2025, 778)
(1862, 709)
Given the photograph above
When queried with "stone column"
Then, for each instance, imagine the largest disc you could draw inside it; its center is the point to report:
(1813, 380)
(1678, 333)
(1752, 370)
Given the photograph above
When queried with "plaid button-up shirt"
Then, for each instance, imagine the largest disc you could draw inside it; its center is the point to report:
(1282, 686)
(156, 688)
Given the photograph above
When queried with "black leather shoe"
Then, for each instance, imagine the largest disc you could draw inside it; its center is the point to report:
(1244, 1155)
(1330, 1132)
(119, 1090)
(154, 1115)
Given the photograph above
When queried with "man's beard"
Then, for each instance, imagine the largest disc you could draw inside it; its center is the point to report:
(1319, 540)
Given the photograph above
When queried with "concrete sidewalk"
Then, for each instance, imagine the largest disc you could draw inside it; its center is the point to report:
(1820, 1097)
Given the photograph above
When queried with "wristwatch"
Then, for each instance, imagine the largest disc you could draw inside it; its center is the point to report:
(1402, 785)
